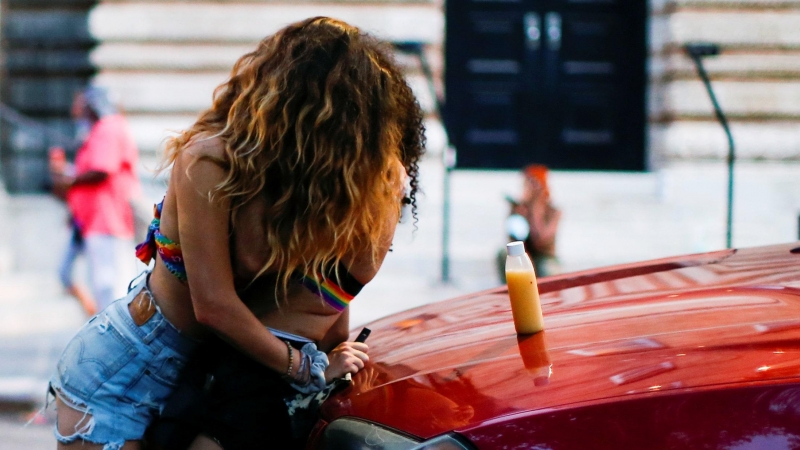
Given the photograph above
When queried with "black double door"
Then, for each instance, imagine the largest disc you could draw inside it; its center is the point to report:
(555, 82)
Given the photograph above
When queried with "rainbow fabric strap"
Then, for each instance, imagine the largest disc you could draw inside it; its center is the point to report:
(169, 250)
(338, 297)
(329, 291)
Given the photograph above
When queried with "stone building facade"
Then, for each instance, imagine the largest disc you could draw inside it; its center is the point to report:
(163, 59)
(756, 79)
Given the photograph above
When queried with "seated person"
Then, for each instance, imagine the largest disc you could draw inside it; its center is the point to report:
(534, 220)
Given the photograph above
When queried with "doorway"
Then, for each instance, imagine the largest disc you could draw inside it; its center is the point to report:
(554, 82)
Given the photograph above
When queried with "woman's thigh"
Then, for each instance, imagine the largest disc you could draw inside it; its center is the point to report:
(71, 421)
(205, 443)
(115, 375)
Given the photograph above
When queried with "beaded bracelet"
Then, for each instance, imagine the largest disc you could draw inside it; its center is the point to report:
(291, 360)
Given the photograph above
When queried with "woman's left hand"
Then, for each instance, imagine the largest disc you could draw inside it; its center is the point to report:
(347, 357)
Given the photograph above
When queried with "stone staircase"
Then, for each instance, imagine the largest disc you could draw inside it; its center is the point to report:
(6, 255)
(36, 318)
(162, 60)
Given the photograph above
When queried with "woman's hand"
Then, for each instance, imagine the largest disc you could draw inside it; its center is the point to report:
(347, 357)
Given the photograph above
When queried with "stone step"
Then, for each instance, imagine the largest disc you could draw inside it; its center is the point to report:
(753, 100)
(187, 93)
(158, 56)
(33, 304)
(662, 6)
(36, 322)
(745, 28)
(194, 57)
(741, 65)
(706, 139)
(22, 390)
(234, 22)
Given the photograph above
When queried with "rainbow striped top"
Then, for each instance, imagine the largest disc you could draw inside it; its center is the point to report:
(336, 291)
(169, 250)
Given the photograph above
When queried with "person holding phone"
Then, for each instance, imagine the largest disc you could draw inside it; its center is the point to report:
(534, 220)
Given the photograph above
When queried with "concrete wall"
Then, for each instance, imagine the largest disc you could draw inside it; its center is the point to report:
(756, 79)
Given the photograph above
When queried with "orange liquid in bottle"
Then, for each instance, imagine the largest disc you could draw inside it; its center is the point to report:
(533, 350)
(525, 305)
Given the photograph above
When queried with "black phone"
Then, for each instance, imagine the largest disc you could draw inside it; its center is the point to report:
(363, 335)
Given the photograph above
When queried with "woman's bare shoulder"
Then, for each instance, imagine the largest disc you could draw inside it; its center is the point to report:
(205, 146)
(200, 163)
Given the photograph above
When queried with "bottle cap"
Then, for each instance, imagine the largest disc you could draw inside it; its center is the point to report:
(515, 248)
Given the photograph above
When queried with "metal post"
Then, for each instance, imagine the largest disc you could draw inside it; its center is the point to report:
(448, 156)
(696, 52)
(449, 163)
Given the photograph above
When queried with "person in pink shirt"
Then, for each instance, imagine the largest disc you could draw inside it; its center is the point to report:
(99, 191)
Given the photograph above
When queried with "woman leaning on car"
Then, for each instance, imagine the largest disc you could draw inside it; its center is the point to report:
(282, 202)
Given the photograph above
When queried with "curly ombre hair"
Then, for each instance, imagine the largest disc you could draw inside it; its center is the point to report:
(317, 122)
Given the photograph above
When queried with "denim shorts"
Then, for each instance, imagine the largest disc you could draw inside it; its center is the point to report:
(119, 374)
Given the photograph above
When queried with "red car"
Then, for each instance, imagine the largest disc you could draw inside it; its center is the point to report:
(701, 351)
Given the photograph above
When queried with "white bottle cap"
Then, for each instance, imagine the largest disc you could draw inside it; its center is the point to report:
(515, 248)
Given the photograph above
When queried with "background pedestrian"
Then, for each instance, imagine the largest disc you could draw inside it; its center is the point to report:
(99, 190)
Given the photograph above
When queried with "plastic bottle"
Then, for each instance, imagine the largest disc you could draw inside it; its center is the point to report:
(522, 290)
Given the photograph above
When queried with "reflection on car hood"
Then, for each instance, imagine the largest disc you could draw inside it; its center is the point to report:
(697, 322)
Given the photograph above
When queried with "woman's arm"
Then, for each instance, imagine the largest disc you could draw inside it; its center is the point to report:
(204, 238)
(345, 357)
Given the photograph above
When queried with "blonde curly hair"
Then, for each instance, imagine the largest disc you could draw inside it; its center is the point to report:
(317, 122)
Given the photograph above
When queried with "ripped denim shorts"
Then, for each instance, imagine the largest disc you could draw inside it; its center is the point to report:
(119, 374)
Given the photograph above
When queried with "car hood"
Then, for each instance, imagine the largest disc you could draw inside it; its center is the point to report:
(698, 322)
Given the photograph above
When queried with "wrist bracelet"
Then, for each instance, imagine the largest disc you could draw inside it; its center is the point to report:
(291, 359)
